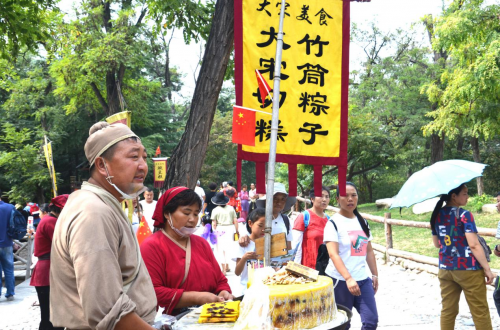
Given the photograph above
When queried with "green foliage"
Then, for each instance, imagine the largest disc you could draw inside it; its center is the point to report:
(467, 92)
(192, 17)
(107, 55)
(476, 203)
(220, 160)
(105, 51)
(23, 23)
(387, 110)
(22, 164)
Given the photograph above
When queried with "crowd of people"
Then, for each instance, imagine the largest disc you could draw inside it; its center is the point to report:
(92, 274)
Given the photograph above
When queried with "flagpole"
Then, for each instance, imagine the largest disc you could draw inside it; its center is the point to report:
(49, 165)
(274, 138)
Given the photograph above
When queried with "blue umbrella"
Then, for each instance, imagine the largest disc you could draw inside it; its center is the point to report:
(435, 180)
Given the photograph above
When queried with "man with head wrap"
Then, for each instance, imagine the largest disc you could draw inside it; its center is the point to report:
(97, 276)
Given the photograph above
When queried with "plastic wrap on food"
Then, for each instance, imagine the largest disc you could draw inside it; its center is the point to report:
(190, 321)
(163, 321)
(254, 308)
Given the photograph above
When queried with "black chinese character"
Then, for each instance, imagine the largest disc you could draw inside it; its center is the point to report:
(267, 101)
(313, 131)
(269, 65)
(262, 128)
(304, 16)
(313, 74)
(273, 35)
(263, 6)
(278, 4)
(281, 134)
(322, 16)
(317, 103)
(314, 42)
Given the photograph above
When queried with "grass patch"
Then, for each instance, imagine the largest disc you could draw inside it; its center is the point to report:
(419, 240)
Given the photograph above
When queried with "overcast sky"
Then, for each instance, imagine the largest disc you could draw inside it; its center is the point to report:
(389, 15)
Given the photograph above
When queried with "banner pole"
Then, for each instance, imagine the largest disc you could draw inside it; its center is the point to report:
(50, 163)
(274, 139)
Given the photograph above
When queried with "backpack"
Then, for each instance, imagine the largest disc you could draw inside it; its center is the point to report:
(482, 242)
(486, 248)
(323, 257)
(287, 222)
(17, 225)
(230, 192)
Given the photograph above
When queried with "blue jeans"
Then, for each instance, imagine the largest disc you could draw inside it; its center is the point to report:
(7, 265)
(364, 304)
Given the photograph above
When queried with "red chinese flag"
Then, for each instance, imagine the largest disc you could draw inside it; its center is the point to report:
(143, 232)
(158, 151)
(243, 126)
(263, 87)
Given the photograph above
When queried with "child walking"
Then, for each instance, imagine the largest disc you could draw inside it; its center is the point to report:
(255, 224)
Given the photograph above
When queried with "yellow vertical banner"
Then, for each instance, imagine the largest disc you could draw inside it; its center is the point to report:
(313, 96)
(160, 171)
(47, 150)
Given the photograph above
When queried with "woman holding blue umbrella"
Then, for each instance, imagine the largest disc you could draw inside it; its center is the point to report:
(462, 261)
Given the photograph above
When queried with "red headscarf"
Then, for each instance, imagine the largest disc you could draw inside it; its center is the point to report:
(164, 200)
(60, 200)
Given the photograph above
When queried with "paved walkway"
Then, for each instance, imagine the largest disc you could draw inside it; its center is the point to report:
(406, 300)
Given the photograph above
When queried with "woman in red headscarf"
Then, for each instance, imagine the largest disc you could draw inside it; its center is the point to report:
(182, 266)
(41, 274)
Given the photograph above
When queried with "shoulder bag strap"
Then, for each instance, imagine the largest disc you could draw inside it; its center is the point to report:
(188, 261)
(333, 223)
(307, 217)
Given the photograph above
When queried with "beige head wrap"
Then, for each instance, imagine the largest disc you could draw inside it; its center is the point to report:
(103, 136)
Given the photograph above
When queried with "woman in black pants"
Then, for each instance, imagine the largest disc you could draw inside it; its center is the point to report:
(41, 274)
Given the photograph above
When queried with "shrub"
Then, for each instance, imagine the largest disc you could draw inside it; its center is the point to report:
(476, 203)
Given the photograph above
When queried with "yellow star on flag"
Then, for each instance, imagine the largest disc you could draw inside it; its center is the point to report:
(240, 115)
(141, 224)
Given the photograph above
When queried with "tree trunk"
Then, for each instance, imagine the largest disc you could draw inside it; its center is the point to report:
(437, 148)
(369, 184)
(477, 158)
(188, 156)
(112, 96)
(40, 196)
(460, 143)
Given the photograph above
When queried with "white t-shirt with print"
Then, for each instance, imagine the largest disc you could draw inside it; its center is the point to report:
(353, 245)
(148, 209)
(239, 254)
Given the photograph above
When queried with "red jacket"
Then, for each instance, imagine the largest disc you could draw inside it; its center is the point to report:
(43, 245)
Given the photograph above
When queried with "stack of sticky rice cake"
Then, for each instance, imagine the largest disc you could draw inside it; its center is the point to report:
(297, 302)
(220, 312)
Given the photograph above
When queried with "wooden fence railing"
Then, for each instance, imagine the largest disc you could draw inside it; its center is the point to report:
(20, 262)
(388, 249)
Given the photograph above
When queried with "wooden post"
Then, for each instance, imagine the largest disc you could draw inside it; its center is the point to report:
(28, 259)
(388, 236)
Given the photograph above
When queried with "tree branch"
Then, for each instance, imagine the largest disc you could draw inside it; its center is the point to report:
(141, 17)
(364, 170)
(98, 94)
(330, 170)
